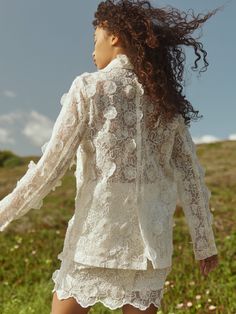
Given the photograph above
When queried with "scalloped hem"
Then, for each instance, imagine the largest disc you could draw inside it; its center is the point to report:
(65, 295)
(112, 287)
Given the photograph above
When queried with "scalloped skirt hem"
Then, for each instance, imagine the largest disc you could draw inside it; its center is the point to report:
(113, 288)
(111, 304)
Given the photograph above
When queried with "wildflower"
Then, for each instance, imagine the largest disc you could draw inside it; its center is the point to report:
(198, 297)
(48, 261)
(167, 283)
(189, 304)
(209, 300)
(212, 307)
(33, 252)
(179, 306)
(18, 239)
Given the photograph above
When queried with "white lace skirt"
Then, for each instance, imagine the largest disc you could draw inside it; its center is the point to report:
(112, 287)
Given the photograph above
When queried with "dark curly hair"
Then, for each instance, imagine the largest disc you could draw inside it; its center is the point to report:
(153, 38)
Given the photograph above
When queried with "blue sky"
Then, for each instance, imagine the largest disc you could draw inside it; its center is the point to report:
(46, 44)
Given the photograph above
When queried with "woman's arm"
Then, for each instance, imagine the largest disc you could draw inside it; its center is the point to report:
(193, 193)
(57, 155)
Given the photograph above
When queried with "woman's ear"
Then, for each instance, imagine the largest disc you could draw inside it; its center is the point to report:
(114, 39)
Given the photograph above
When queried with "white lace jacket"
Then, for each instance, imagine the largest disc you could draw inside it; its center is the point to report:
(128, 177)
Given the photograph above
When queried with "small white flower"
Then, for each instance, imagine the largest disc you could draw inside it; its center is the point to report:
(198, 297)
(212, 307)
(179, 306)
(189, 304)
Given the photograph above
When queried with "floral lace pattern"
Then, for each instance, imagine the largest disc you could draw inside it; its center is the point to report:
(128, 175)
(194, 195)
(44, 176)
(112, 287)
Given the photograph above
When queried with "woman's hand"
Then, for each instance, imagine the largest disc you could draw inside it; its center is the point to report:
(208, 264)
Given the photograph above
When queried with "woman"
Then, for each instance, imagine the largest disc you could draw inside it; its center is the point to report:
(127, 126)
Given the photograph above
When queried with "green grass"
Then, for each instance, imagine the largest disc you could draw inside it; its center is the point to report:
(30, 245)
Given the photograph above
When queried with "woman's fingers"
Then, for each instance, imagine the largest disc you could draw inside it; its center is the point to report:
(208, 264)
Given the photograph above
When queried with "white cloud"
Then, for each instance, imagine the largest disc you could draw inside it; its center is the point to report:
(5, 137)
(34, 126)
(38, 128)
(212, 139)
(206, 139)
(232, 137)
(9, 93)
(11, 117)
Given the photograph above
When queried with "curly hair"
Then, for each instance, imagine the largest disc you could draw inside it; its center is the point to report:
(153, 38)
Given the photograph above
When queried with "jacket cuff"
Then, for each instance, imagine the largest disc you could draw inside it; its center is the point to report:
(207, 252)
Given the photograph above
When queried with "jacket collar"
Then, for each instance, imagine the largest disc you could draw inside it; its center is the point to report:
(120, 61)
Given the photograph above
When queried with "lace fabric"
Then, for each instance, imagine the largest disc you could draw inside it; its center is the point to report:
(112, 287)
(128, 176)
(58, 154)
(194, 195)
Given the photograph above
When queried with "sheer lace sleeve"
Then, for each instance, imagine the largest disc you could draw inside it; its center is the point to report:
(193, 193)
(57, 155)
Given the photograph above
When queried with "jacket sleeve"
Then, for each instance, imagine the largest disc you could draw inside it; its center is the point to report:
(58, 153)
(193, 193)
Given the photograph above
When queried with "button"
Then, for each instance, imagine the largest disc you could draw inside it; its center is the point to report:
(131, 145)
(140, 115)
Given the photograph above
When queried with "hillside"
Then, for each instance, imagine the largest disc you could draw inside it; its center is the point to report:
(29, 247)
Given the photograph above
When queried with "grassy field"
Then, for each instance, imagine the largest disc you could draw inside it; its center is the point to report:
(29, 246)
